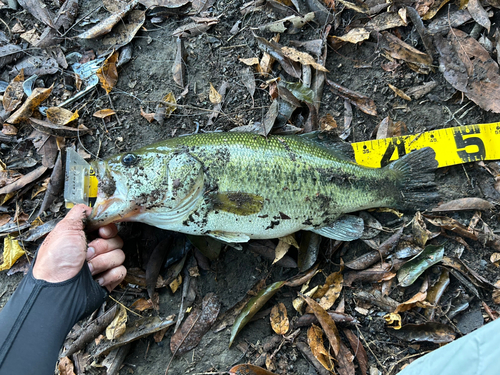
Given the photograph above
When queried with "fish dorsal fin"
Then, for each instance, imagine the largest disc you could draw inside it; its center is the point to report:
(332, 143)
(347, 228)
(229, 237)
(238, 203)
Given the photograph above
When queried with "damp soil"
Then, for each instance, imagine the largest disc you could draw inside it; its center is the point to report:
(212, 57)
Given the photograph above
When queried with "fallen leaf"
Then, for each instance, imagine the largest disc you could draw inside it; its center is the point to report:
(61, 116)
(4, 219)
(175, 284)
(356, 35)
(399, 92)
(214, 96)
(38, 10)
(248, 79)
(315, 342)
(397, 49)
(302, 57)
(66, 367)
(141, 328)
(142, 304)
(331, 290)
(14, 93)
(57, 130)
(248, 369)
(465, 204)
(468, 67)
(326, 322)
(361, 101)
(279, 319)
(290, 25)
(107, 24)
(411, 270)
(251, 61)
(118, 325)
(358, 349)
(9, 53)
(126, 30)
(148, 116)
(179, 67)
(36, 98)
(107, 73)
(194, 28)
(103, 113)
(394, 320)
(252, 306)
(196, 325)
(23, 181)
(7, 177)
(480, 15)
(327, 123)
(165, 108)
(12, 251)
(432, 332)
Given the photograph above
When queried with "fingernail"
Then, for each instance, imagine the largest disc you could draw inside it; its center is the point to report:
(105, 231)
(90, 252)
(100, 281)
(91, 267)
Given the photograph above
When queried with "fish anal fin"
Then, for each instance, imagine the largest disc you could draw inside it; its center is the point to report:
(347, 228)
(238, 203)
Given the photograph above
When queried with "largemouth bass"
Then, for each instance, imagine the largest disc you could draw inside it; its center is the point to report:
(238, 186)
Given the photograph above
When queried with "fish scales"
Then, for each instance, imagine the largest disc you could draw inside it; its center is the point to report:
(237, 186)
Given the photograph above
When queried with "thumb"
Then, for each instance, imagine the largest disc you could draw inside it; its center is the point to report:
(76, 216)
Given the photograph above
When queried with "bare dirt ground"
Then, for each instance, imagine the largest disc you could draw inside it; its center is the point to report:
(212, 57)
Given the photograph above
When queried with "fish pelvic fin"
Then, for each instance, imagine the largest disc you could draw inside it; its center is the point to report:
(347, 228)
(416, 172)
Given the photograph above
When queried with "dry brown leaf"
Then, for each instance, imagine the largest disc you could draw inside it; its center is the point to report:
(251, 61)
(279, 319)
(36, 98)
(315, 342)
(4, 219)
(281, 250)
(125, 31)
(142, 304)
(400, 50)
(355, 35)
(14, 93)
(394, 320)
(327, 123)
(495, 259)
(118, 325)
(66, 367)
(148, 116)
(248, 369)
(465, 204)
(39, 10)
(12, 251)
(435, 7)
(480, 15)
(174, 285)
(214, 96)
(468, 67)
(302, 57)
(61, 116)
(107, 24)
(103, 113)
(107, 73)
(333, 284)
(399, 92)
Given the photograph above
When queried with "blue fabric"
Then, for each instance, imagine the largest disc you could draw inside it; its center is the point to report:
(477, 353)
(37, 318)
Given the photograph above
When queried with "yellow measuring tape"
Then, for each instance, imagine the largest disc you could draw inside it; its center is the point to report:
(462, 144)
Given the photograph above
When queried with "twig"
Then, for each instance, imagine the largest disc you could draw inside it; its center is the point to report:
(180, 344)
(81, 19)
(113, 108)
(126, 308)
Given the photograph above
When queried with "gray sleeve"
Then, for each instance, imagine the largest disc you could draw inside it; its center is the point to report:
(37, 318)
(474, 354)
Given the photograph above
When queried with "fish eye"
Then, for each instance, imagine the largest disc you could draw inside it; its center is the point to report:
(129, 160)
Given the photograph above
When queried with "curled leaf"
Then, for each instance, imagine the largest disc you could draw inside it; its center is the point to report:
(118, 325)
(253, 306)
(107, 73)
(12, 251)
(279, 319)
(411, 270)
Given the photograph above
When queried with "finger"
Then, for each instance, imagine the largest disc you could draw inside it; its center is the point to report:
(101, 246)
(111, 278)
(74, 219)
(108, 231)
(106, 261)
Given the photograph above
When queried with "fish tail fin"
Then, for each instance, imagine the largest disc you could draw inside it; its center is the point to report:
(416, 172)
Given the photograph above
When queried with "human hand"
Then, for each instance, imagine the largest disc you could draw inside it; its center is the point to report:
(64, 252)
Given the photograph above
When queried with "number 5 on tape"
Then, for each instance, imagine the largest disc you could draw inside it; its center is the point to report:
(453, 146)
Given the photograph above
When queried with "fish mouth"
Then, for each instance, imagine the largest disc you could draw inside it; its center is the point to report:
(112, 210)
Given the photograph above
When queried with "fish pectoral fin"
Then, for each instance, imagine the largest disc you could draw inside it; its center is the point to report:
(347, 228)
(237, 203)
(229, 237)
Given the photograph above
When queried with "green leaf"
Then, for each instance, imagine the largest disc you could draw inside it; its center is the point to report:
(411, 270)
(252, 307)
